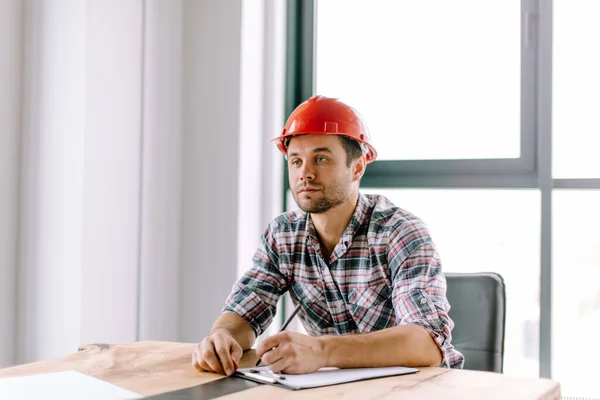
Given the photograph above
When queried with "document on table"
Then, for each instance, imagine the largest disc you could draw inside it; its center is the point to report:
(323, 377)
(65, 385)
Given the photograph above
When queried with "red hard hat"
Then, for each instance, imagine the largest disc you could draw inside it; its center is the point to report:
(322, 115)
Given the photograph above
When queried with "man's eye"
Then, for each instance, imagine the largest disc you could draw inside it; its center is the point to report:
(320, 159)
(295, 162)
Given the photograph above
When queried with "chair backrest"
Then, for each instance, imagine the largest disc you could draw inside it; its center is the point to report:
(478, 309)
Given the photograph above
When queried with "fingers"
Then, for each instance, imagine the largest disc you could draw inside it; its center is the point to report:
(197, 360)
(271, 357)
(204, 357)
(218, 353)
(290, 356)
(209, 356)
(264, 346)
(280, 365)
(271, 342)
(236, 353)
(222, 348)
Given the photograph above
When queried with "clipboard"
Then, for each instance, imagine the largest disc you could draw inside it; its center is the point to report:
(323, 377)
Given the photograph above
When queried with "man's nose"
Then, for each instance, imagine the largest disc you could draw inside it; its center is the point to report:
(306, 173)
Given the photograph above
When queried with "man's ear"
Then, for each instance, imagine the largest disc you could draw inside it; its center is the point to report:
(358, 168)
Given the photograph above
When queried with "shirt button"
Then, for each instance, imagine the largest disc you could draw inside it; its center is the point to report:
(423, 300)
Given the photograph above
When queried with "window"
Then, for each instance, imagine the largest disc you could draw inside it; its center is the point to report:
(576, 98)
(576, 290)
(434, 80)
(459, 222)
(489, 230)
(489, 108)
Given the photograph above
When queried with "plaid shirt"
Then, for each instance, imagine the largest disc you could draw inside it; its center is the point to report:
(384, 271)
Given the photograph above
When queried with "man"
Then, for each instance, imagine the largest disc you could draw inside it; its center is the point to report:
(366, 273)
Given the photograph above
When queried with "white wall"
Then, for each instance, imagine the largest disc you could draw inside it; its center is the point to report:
(161, 171)
(113, 151)
(211, 124)
(126, 170)
(53, 141)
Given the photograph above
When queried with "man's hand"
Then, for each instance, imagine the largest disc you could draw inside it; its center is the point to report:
(218, 353)
(291, 353)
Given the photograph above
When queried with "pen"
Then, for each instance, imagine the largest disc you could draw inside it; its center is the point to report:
(287, 322)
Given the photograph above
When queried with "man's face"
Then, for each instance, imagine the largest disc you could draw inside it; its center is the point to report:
(319, 176)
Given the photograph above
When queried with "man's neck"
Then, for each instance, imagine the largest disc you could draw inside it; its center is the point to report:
(331, 225)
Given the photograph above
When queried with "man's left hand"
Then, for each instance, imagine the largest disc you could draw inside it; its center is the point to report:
(291, 353)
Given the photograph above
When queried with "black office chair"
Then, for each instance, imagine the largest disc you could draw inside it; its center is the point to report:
(478, 309)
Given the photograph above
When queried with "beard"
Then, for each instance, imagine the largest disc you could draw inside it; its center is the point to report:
(329, 197)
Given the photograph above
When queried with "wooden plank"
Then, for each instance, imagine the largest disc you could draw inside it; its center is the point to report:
(147, 368)
(151, 368)
(373, 388)
(429, 383)
(464, 384)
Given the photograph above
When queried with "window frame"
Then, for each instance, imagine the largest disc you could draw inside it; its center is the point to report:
(532, 170)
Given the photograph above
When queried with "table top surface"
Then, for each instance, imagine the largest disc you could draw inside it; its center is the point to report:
(153, 368)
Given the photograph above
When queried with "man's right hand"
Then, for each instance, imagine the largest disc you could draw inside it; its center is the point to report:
(219, 353)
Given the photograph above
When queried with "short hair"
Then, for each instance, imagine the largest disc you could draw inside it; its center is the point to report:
(352, 147)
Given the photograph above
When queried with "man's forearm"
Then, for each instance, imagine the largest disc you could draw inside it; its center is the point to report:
(406, 345)
(237, 327)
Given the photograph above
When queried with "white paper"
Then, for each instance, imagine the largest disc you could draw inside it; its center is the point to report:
(326, 376)
(65, 385)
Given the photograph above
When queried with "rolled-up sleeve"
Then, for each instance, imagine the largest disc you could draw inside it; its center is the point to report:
(254, 296)
(419, 288)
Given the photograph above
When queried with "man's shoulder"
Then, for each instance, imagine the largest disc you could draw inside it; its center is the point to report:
(386, 215)
(397, 228)
(289, 221)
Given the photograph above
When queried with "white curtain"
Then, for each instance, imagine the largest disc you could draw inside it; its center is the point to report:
(136, 170)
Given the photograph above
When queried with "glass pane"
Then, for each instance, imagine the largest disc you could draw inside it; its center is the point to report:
(576, 89)
(576, 292)
(488, 230)
(434, 80)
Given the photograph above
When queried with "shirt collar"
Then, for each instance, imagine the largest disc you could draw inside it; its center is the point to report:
(359, 216)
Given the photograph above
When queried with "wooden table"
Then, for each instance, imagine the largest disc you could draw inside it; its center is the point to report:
(152, 368)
